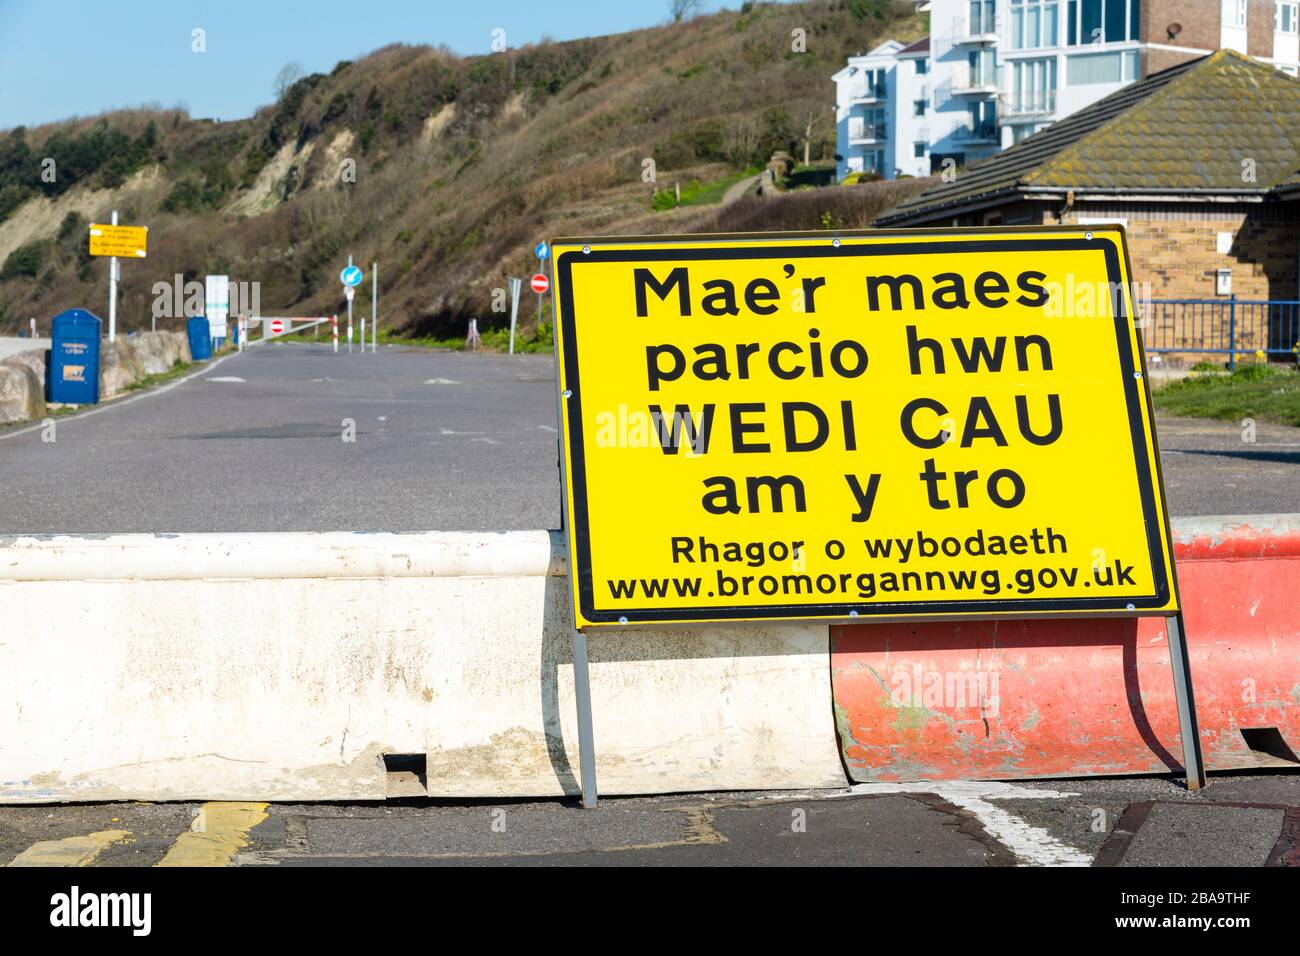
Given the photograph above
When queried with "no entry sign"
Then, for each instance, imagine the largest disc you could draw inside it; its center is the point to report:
(875, 425)
(539, 283)
(277, 326)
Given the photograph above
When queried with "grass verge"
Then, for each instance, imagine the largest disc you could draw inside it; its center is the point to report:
(1266, 393)
(178, 369)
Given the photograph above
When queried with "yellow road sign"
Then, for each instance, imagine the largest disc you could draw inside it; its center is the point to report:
(924, 424)
(127, 242)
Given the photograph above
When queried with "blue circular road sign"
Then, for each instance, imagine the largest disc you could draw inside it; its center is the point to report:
(351, 275)
(542, 250)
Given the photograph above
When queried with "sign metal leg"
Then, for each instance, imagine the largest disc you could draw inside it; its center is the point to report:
(1187, 724)
(586, 737)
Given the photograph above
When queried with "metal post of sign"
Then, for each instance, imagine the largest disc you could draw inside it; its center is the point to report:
(334, 328)
(33, 328)
(374, 307)
(541, 266)
(112, 292)
(363, 335)
(515, 285)
(1188, 728)
(349, 313)
(586, 736)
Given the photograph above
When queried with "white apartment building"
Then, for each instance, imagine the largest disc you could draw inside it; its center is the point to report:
(992, 72)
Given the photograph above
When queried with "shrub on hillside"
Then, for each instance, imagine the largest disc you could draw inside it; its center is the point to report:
(25, 260)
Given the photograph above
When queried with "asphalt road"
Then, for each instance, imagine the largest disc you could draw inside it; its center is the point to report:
(1238, 821)
(444, 441)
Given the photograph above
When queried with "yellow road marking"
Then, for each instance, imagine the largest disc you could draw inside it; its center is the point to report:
(74, 851)
(219, 832)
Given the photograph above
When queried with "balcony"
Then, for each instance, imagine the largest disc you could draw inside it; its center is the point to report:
(975, 31)
(984, 133)
(864, 134)
(983, 82)
(870, 94)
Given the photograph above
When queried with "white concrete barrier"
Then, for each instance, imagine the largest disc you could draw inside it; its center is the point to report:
(285, 666)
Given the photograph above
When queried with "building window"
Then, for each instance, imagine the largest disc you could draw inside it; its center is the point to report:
(1101, 21)
(1234, 13)
(1033, 86)
(922, 67)
(918, 150)
(982, 16)
(982, 67)
(873, 84)
(918, 108)
(983, 120)
(1033, 24)
(1285, 20)
(1118, 67)
(1022, 132)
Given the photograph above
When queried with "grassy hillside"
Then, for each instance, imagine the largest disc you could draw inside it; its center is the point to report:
(461, 164)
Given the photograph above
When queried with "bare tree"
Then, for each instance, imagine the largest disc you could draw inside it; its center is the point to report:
(816, 120)
(683, 9)
(288, 75)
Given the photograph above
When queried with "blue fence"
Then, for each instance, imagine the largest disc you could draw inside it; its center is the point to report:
(1228, 326)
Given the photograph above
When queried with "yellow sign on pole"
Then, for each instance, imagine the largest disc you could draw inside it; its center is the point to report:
(125, 242)
(924, 424)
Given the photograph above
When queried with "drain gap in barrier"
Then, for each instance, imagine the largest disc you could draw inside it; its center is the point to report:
(1269, 746)
(406, 775)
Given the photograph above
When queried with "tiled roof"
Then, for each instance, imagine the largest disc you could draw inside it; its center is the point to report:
(920, 46)
(1185, 129)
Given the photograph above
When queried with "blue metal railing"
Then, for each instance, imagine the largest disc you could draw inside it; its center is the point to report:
(1226, 326)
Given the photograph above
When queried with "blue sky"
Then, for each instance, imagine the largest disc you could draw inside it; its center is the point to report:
(62, 58)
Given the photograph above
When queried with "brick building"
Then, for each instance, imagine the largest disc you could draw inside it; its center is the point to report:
(1199, 162)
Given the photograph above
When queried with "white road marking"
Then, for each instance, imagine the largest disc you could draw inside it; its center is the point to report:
(441, 381)
(1031, 845)
(546, 428)
(227, 378)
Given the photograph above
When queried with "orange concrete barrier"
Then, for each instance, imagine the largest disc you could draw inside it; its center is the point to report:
(1022, 699)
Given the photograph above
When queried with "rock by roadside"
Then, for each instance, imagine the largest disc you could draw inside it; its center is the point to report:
(121, 363)
(21, 396)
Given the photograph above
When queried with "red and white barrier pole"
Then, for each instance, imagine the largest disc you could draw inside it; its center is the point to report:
(334, 325)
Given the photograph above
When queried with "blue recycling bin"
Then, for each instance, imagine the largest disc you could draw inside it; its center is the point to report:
(74, 358)
(200, 339)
